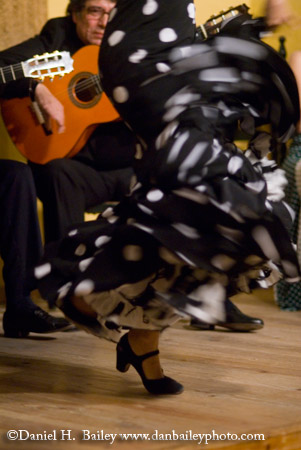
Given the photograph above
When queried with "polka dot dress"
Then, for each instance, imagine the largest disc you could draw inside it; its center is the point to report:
(205, 219)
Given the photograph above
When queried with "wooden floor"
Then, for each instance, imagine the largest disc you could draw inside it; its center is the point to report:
(234, 383)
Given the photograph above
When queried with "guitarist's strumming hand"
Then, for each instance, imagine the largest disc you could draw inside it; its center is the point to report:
(51, 108)
(278, 12)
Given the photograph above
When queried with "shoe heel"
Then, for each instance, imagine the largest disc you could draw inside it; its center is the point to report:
(13, 328)
(122, 364)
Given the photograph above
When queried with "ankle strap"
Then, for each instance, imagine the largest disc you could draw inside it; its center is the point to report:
(148, 355)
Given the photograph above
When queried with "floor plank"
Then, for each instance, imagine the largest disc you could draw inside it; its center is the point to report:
(234, 383)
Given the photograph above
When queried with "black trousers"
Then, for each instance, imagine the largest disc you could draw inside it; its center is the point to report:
(100, 172)
(20, 239)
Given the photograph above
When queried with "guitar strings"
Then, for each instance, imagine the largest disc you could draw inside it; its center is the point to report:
(80, 87)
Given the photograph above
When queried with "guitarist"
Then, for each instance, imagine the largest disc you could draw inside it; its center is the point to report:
(101, 171)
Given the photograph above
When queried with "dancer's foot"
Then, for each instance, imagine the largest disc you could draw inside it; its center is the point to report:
(235, 320)
(145, 361)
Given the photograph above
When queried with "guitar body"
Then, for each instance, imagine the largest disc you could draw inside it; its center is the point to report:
(84, 104)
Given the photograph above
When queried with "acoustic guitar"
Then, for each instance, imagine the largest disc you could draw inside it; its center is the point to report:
(85, 105)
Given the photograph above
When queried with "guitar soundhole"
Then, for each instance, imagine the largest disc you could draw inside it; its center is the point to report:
(84, 90)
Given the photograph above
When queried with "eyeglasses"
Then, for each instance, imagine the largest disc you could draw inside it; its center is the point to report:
(95, 12)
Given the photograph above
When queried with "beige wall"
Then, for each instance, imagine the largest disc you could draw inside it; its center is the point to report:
(18, 22)
(56, 8)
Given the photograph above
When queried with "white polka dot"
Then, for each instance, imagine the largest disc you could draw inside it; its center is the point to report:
(63, 290)
(116, 37)
(150, 7)
(145, 209)
(102, 240)
(120, 94)
(268, 205)
(185, 258)
(162, 67)
(72, 232)
(235, 163)
(155, 195)
(186, 230)
(167, 35)
(112, 219)
(80, 250)
(143, 227)
(201, 188)
(256, 186)
(191, 11)
(84, 287)
(42, 271)
(112, 14)
(107, 212)
(138, 56)
(85, 263)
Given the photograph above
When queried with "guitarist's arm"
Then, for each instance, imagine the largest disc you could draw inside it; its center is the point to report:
(278, 12)
(51, 108)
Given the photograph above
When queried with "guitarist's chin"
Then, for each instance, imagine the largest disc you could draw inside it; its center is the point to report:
(96, 39)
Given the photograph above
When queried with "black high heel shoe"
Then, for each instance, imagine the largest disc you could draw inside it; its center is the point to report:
(126, 357)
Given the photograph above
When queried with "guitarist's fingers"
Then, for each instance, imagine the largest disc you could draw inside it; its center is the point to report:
(278, 12)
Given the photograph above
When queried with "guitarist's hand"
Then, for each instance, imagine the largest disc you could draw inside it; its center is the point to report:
(278, 12)
(51, 107)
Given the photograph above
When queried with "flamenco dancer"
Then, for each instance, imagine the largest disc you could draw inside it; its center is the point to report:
(204, 219)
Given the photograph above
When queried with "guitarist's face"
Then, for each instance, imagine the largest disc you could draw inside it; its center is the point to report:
(91, 21)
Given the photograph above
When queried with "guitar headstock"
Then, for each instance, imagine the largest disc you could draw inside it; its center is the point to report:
(48, 65)
(213, 25)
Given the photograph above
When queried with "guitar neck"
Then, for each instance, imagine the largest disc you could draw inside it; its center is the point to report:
(11, 73)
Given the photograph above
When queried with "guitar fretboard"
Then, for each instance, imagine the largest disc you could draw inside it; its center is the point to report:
(10, 73)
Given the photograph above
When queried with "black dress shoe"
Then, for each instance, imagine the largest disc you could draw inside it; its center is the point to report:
(159, 386)
(235, 321)
(20, 324)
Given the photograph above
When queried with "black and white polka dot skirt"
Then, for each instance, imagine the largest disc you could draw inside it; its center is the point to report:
(205, 219)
